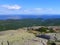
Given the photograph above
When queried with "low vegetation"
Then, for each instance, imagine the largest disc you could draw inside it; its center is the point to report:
(41, 30)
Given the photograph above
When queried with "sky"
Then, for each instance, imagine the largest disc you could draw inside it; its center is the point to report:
(29, 7)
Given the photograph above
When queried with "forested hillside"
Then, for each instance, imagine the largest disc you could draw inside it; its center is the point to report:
(19, 23)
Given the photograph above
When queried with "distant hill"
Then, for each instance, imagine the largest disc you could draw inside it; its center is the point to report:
(4, 17)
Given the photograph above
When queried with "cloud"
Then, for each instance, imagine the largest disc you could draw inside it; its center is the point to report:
(17, 9)
(33, 10)
(14, 7)
(39, 10)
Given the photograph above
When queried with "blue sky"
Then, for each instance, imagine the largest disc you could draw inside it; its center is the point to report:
(29, 6)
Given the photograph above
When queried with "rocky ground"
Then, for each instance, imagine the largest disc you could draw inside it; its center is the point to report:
(22, 37)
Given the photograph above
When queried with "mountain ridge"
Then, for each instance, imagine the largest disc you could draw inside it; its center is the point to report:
(4, 17)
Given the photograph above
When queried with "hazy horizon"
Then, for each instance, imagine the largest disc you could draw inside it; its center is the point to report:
(3, 17)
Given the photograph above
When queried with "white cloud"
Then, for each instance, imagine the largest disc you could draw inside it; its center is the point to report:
(15, 7)
(26, 11)
(38, 9)
(33, 10)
